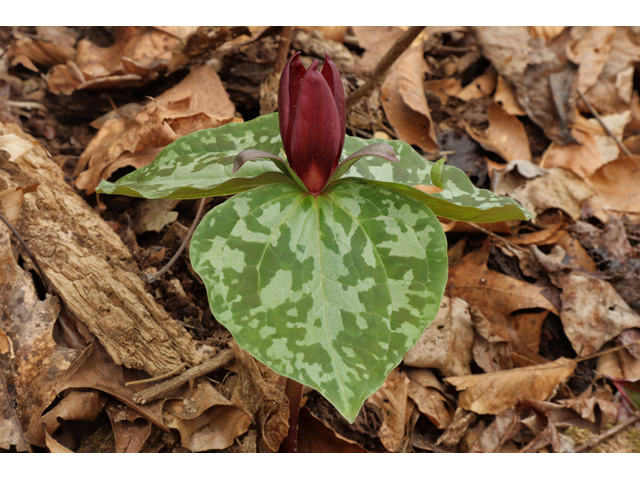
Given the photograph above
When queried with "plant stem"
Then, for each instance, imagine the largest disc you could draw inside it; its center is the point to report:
(378, 74)
(293, 391)
(165, 269)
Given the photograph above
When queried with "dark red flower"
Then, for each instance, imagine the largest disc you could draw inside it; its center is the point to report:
(312, 117)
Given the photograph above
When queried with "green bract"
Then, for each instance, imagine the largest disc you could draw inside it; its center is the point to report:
(329, 290)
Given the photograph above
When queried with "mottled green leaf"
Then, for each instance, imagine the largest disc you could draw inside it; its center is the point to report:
(330, 290)
(477, 205)
(459, 200)
(201, 164)
(411, 169)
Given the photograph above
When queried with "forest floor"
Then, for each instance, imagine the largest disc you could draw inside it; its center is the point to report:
(536, 347)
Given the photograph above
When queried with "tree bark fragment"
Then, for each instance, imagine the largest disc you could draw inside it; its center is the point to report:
(89, 267)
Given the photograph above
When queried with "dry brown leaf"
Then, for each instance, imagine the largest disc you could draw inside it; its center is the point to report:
(595, 148)
(548, 32)
(590, 52)
(480, 87)
(259, 393)
(629, 364)
(130, 429)
(15, 185)
(505, 96)
(493, 393)
(11, 433)
(497, 297)
(314, 436)
(75, 405)
(443, 88)
(200, 43)
(592, 311)
(540, 75)
(631, 338)
(491, 352)
(608, 364)
(376, 41)
(446, 343)
(154, 215)
(633, 127)
(466, 227)
(34, 373)
(392, 400)
(54, 446)
(136, 57)
(95, 369)
(548, 436)
(616, 187)
(457, 428)
(503, 428)
(51, 46)
(505, 136)
(612, 92)
(432, 404)
(558, 188)
(205, 419)
(15, 146)
(314, 43)
(405, 103)
(198, 102)
(545, 236)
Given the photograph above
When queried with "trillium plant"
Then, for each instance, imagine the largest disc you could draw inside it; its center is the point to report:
(326, 264)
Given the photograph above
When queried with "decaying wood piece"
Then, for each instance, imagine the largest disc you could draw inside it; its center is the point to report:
(90, 268)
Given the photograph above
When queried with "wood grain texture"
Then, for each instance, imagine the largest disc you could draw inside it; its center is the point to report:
(92, 271)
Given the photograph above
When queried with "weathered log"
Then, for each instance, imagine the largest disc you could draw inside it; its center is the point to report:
(87, 264)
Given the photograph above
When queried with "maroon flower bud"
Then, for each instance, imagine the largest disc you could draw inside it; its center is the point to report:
(312, 116)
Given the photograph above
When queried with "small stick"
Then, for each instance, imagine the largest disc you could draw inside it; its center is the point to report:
(609, 433)
(27, 105)
(611, 350)
(378, 74)
(153, 278)
(178, 370)
(283, 49)
(497, 237)
(204, 368)
(32, 256)
(624, 149)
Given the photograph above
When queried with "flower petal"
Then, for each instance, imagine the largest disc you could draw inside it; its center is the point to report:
(332, 76)
(288, 91)
(316, 138)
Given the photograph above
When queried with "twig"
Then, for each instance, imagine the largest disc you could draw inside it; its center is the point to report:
(204, 368)
(611, 350)
(27, 105)
(497, 237)
(378, 74)
(624, 149)
(283, 49)
(153, 278)
(32, 256)
(609, 433)
(175, 372)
